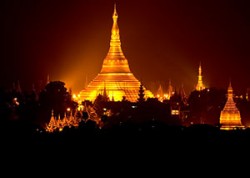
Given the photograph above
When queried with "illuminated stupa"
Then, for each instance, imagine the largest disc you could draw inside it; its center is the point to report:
(115, 76)
(200, 86)
(230, 116)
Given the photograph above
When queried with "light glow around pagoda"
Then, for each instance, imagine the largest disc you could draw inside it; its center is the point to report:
(115, 77)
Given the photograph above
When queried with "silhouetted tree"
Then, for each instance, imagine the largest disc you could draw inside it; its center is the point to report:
(55, 97)
(100, 103)
(205, 106)
(141, 94)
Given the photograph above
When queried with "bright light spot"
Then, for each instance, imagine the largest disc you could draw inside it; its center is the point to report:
(15, 101)
(175, 112)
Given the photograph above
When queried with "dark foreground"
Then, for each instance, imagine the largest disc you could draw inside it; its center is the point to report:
(136, 135)
(125, 149)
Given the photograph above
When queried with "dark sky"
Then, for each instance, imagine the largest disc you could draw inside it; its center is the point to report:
(162, 40)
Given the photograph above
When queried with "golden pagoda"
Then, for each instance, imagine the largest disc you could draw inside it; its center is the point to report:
(115, 76)
(230, 116)
(200, 86)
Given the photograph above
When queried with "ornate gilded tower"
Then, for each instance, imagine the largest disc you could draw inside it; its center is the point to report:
(230, 115)
(200, 86)
(115, 73)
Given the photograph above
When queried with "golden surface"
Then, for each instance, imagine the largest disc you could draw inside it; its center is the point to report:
(200, 86)
(115, 76)
(230, 115)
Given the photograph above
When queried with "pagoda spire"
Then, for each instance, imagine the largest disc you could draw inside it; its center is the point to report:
(115, 13)
(115, 54)
(200, 86)
(119, 81)
(115, 43)
(230, 93)
(115, 36)
(230, 90)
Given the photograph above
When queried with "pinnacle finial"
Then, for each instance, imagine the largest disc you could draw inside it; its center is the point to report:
(230, 89)
(115, 12)
(230, 83)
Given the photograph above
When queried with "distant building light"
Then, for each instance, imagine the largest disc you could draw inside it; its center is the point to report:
(134, 107)
(175, 112)
(15, 101)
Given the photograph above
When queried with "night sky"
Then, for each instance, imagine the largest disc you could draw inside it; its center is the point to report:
(161, 39)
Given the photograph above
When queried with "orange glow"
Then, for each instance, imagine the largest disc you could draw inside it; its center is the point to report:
(175, 112)
(115, 79)
(165, 96)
